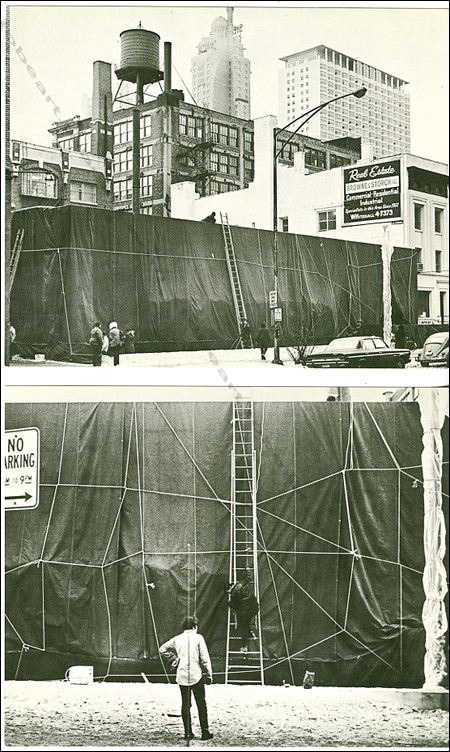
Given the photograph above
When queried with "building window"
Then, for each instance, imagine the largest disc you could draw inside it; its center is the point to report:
(214, 162)
(232, 137)
(66, 144)
(284, 221)
(123, 189)
(233, 165)
(248, 170)
(418, 216)
(418, 252)
(146, 185)
(424, 303)
(191, 126)
(39, 184)
(287, 151)
(83, 193)
(438, 216)
(326, 220)
(146, 126)
(85, 142)
(223, 134)
(438, 261)
(123, 132)
(337, 161)
(146, 210)
(225, 163)
(315, 158)
(215, 133)
(146, 155)
(123, 161)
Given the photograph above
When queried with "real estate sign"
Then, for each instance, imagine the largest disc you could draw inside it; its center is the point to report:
(372, 193)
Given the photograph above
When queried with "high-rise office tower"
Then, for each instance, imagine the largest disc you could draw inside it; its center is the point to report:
(220, 72)
(381, 117)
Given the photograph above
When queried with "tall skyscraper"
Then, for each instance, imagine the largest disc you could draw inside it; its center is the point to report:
(220, 72)
(381, 117)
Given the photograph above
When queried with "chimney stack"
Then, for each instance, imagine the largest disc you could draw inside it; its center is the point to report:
(102, 114)
(167, 67)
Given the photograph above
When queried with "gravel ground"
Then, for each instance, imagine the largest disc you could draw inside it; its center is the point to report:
(57, 715)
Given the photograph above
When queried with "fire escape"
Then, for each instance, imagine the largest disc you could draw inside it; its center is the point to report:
(194, 157)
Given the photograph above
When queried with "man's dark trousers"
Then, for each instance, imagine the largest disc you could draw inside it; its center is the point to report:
(198, 690)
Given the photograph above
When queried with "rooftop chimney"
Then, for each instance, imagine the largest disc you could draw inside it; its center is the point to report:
(102, 118)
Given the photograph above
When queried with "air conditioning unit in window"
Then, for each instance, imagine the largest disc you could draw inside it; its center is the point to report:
(419, 267)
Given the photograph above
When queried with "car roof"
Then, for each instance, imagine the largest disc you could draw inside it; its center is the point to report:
(437, 337)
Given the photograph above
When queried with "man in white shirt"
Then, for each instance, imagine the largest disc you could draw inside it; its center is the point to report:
(188, 652)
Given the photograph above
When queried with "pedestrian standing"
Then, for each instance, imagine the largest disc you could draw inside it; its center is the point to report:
(188, 652)
(114, 342)
(246, 334)
(129, 341)
(96, 342)
(263, 339)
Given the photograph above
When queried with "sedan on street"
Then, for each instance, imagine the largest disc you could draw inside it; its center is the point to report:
(359, 352)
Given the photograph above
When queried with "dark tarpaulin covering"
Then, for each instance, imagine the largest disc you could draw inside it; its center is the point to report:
(167, 279)
(136, 495)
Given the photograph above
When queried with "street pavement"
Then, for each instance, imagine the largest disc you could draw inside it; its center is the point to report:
(247, 358)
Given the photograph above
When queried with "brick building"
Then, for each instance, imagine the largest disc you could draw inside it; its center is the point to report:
(46, 176)
(180, 142)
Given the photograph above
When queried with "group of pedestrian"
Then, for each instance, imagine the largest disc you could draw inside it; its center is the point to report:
(112, 343)
(188, 653)
(263, 338)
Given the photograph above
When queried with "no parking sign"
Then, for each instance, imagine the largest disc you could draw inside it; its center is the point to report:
(21, 487)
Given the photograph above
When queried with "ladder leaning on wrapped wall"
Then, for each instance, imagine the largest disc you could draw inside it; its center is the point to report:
(243, 668)
(14, 257)
(238, 299)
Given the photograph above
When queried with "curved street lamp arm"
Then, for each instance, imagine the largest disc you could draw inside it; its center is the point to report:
(358, 94)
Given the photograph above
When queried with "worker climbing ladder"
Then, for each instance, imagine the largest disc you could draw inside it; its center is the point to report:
(238, 300)
(14, 258)
(243, 668)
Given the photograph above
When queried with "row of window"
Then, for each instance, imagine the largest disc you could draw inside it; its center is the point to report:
(419, 218)
(326, 220)
(226, 163)
(123, 131)
(123, 189)
(216, 187)
(123, 160)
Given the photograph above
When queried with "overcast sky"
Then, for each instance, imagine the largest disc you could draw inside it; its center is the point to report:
(61, 41)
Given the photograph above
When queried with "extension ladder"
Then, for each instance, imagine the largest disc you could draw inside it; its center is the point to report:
(14, 258)
(243, 668)
(238, 300)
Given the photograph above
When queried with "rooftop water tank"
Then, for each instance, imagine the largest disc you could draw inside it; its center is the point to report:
(139, 50)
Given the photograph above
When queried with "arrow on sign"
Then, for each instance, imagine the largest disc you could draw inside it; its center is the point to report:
(25, 496)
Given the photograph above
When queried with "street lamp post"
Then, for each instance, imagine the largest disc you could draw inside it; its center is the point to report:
(276, 153)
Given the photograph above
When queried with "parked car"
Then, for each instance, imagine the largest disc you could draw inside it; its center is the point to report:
(435, 350)
(359, 352)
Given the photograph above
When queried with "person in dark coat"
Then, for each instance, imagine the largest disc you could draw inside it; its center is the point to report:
(129, 341)
(263, 339)
(243, 603)
(114, 342)
(96, 342)
(246, 334)
(400, 337)
(211, 218)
